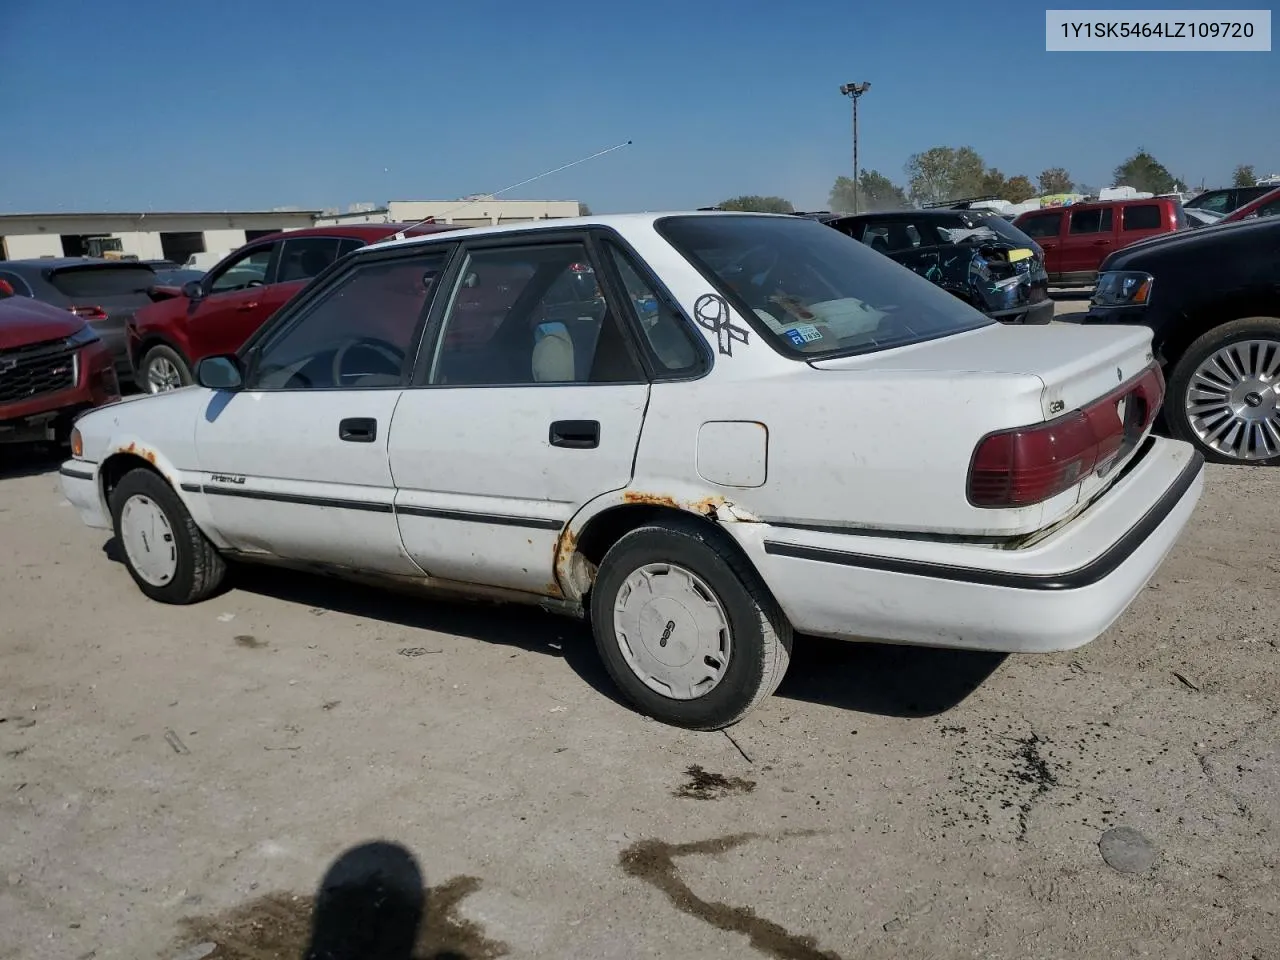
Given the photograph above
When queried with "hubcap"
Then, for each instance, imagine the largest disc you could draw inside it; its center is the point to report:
(672, 631)
(162, 375)
(1232, 403)
(148, 540)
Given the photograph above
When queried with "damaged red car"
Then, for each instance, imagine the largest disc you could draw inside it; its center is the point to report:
(52, 367)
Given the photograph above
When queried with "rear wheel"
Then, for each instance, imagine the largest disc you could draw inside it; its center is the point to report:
(1223, 393)
(685, 626)
(162, 370)
(169, 557)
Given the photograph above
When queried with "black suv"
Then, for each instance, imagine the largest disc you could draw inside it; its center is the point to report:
(976, 255)
(1212, 298)
(1227, 199)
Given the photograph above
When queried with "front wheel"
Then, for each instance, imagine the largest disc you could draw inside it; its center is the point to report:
(163, 370)
(686, 628)
(1223, 393)
(168, 556)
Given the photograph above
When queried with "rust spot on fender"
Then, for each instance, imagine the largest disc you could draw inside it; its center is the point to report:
(707, 506)
(147, 454)
(552, 589)
(651, 499)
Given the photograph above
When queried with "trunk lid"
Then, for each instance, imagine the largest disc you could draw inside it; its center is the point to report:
(1075, 367)
(1076, 364)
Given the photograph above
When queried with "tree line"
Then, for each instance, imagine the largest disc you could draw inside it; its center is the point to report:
(940, 174)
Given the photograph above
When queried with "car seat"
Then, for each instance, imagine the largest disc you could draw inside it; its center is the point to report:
(553, 354)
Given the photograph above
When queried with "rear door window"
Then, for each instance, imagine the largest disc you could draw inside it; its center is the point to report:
(1145, 216)
(1091, 221)
(305, 257)
(1044, 225)
(98, 282)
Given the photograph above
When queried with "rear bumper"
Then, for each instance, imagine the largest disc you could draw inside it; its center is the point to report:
(79, 479)
(1057, 594)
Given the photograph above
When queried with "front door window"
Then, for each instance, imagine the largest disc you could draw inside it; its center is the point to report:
(248, 270)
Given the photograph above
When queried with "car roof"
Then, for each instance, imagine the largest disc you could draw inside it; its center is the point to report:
(925, 212)
(37, 265)
(1098, 205)
(624, 223)
(361, 231)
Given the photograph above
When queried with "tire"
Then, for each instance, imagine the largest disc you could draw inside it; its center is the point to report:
(710, 573)
(195, 568)
(164, 362)
(1255, 449)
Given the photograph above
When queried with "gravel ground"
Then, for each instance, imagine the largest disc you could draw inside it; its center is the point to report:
(174, 783)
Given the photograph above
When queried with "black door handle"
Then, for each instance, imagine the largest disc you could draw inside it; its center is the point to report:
(358, 430)
(579, 434)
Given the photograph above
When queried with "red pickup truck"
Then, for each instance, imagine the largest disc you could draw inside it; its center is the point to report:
(1077, 238)
(52, 366)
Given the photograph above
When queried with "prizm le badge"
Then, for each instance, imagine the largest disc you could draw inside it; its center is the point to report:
(223, 478)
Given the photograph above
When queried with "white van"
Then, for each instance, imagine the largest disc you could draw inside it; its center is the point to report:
(204, 260)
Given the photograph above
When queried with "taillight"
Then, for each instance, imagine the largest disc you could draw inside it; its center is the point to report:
(1028, 465)
(89, 313)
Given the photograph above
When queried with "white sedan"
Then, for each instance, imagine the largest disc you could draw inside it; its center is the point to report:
(704, 432)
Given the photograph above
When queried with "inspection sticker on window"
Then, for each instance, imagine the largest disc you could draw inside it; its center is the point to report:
(804, 333)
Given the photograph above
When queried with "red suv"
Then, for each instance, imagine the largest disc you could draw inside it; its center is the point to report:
(52, 366)
(1077, 238)
(216, 314)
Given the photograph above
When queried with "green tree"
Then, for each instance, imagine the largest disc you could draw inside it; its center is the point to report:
(875, 192)
(755, 204)
(1144, 172)
(993, 183)
(1054, 180)
(1243, 176)
(945, 173)
(1017, 189)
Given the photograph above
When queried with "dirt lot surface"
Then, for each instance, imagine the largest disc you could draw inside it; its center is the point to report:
(175, 782)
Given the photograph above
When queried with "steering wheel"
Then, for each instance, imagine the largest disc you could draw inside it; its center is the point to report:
(387, 350)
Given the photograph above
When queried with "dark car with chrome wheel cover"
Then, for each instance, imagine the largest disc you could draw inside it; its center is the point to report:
(1212, 298)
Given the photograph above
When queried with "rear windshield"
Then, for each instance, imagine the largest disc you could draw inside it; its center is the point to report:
(813, 291)
(100, 281)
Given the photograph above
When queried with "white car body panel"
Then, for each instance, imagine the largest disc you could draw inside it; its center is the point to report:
(466, 453)
(842, 480)
(278, 480)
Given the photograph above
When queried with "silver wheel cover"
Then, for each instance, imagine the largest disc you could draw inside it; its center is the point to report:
(672, 631)
(148, 540)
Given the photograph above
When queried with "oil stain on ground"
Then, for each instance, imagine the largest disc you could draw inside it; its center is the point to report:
(279, 926)
(704, 785)
(250, 642)
(654, 862)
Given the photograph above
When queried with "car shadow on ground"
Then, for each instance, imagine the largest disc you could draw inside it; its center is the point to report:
(862, 677)
(886, 679)
(22, 460)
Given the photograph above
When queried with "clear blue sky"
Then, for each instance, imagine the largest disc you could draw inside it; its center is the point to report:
(162, 105)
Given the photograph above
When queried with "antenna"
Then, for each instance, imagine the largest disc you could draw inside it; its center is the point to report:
(400, 235)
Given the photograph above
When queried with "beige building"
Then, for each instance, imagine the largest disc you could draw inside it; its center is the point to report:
(469, 211)
(147, 236)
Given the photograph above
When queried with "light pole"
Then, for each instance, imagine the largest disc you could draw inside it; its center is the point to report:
(853, 91)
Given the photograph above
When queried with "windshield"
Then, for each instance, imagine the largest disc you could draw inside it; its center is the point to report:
(1001, 226)
(813, 291)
